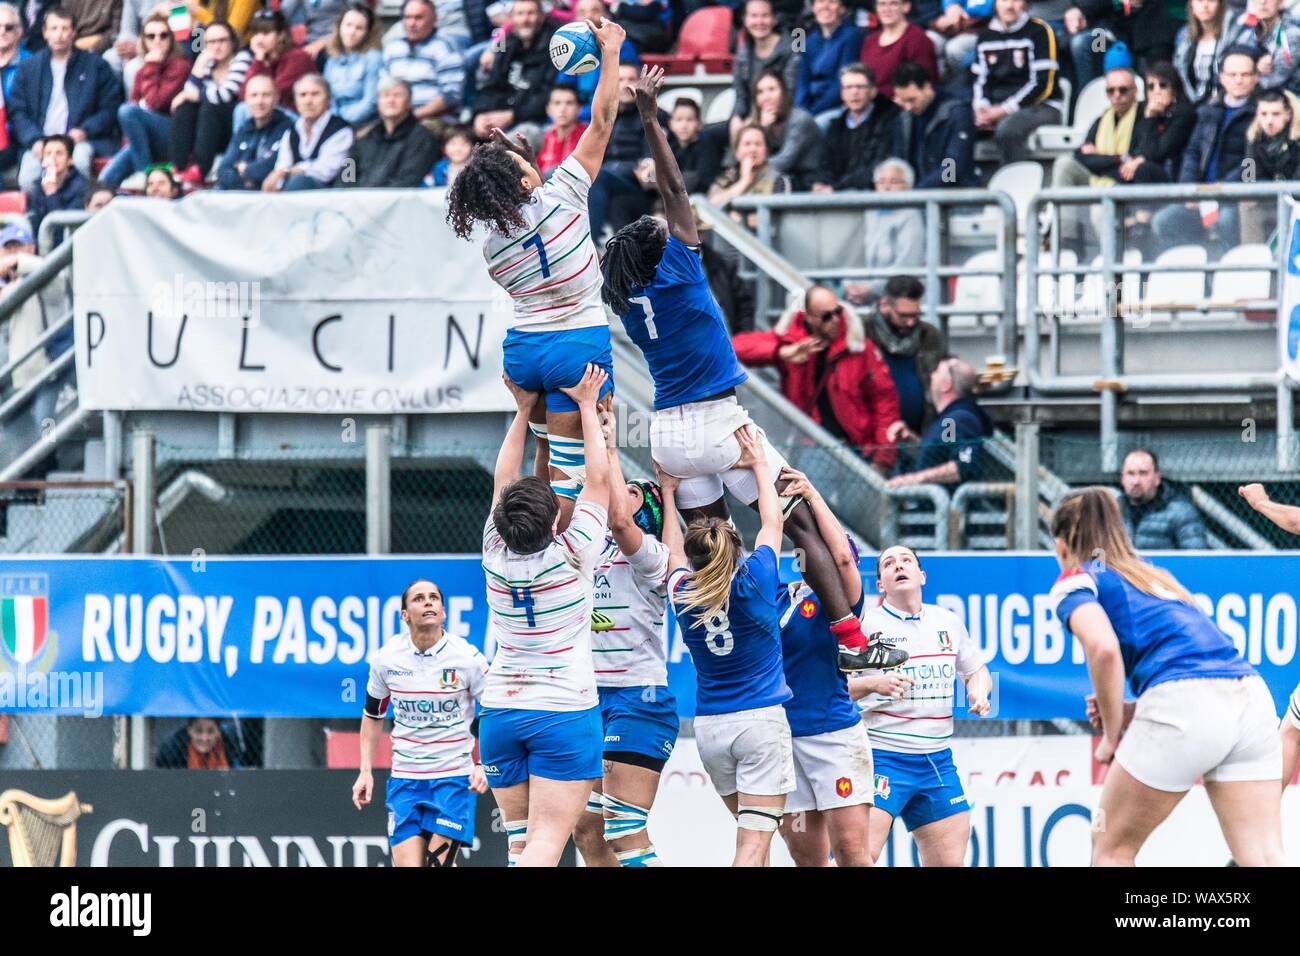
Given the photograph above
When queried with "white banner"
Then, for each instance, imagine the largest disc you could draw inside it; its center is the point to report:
(1032, 805)
(1288, 314)
(348, 301)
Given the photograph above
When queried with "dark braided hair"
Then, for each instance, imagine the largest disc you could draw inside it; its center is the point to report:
(487, 190)
(631, 257)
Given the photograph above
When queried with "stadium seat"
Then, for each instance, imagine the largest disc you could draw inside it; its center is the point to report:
(978, 296)
(1246, 286)
(1021, 181)
(720, 107)
(1093, 301)
(674, 93)
(1057, 293)
(13, 200)
(1176, 288)
(704, 44)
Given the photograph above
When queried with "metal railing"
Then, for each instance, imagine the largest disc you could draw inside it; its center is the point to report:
(938, 206)
(1111, 381)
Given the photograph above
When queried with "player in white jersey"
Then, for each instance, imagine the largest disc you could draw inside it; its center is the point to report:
(539, 249)
(639, 713)
(909, 713)
(432, 679)
(1286, 517)
(540, 731)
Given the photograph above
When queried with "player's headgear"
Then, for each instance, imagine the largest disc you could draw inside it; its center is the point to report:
(650, 516)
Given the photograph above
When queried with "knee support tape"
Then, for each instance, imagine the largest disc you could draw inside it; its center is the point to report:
(763, 819)
(624, 819)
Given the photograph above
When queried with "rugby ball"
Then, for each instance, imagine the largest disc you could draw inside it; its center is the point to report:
(574, 50)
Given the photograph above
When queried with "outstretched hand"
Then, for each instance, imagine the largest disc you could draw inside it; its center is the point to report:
(752, 452)
(609, 35)
(518, 145)
(647, 89)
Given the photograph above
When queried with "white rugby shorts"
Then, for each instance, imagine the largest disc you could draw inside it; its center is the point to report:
(832, 770)
(1222, 729)
(697, 443)
(747, 752)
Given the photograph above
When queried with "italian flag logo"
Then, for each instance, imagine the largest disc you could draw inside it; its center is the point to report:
(23, 623)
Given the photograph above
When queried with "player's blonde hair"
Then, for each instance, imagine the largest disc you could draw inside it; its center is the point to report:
(713, 548)
(1089, 524)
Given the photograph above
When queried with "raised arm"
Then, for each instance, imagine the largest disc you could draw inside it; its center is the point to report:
(753, 456)
(832, 532)
(595, 487)
(668, 175)
(673, 539)
(621, 526)
(590, 151)
(1285, 517)
(511, 456)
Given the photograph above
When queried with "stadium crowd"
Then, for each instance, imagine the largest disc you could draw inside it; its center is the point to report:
(103, 96)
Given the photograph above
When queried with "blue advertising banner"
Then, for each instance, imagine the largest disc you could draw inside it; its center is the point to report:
(291, 637)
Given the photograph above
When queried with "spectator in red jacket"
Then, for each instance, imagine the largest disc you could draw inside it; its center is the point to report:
(146, 119)
(274, 53)
(831, 372)
(565, 130)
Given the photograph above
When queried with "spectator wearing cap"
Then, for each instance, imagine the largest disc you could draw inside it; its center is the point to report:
(951, 448)
(202, 112)
(834, 44)
(353, 64)
(315, 149)
(273, 52)
(517, 86)
(12, 52)
(430, 63)
(761, 47)
(146, 118)
(63, 90)
(61, 185)
(562, 135)
(252, 152)
(857, 139)
(831, 372)
(17, 244)
(912, 348)
(1016, 89)
(397, 152)
(934, 131)
(792, 134)
(320, 18)
(893, 236)
(897, 41)
(1156, 515)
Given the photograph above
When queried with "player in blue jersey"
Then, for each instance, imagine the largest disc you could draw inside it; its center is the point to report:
(1286, 517)
(1202, 712)
(538, 248)
(726, 610)
(828, 811)
(655, 282)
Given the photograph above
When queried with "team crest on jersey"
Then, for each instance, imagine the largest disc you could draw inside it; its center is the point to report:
(945, 642)
(808, 608)
(844, 787)
(882, 786)
(448, 678)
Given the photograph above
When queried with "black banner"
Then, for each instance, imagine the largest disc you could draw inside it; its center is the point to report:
(235, 818)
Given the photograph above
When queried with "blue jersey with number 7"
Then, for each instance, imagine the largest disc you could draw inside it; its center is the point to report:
(677, 324)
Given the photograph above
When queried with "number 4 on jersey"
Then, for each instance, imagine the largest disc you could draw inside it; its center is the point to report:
(523, 597)
(649, 311)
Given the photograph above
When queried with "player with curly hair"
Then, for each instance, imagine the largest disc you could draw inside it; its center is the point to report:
(539, 249)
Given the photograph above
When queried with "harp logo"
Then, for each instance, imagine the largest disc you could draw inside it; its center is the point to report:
(41, 832)
(25, 618)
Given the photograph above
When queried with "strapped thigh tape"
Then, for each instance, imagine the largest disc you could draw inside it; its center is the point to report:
(568, 455)
(624, 820)
(765, 819)
(596, 802)
(539, 430)
(516, 832)
(645, 856)
(445, 855)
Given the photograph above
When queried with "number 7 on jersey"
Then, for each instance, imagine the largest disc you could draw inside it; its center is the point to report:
(648, 309)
